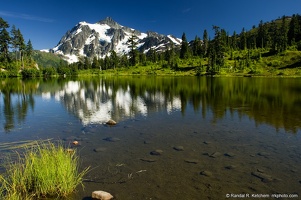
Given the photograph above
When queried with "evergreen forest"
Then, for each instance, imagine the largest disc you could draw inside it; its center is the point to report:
(270, 48)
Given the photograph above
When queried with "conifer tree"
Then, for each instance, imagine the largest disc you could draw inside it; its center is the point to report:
(14, 42)
(152, 55)
(17, 42)
(87, 64)
(294, 31)
(234, 41)
(259, 38)
(132, 44)
(205, 43)
(243, 39)
(29, 49)
(275, 35)
(184, 52)
(95, 63)
(124, 61)
(219, 47)
(224, 38)
(197, 46)
(106, 63)
(283, 39)
(114, 59)
(4, 39)
(169, 55)
(216, 51)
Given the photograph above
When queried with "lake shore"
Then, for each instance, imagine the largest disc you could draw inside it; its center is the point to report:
(158, 71)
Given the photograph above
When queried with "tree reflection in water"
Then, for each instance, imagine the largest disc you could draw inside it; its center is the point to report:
(274, 101)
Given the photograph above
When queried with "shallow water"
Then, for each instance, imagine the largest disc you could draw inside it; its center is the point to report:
(236, 135)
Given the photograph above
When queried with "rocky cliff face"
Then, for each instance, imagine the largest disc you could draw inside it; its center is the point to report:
(99, 39)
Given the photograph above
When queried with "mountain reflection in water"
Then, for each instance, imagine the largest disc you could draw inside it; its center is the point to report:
(203, 137)
(273, 101)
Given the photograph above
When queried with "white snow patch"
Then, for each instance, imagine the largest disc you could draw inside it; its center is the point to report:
(71, 58)
(55, 49)
(45, 50)
(101, 29)
(140, 45)
(90, 39)
(176, 41)
(142, 36)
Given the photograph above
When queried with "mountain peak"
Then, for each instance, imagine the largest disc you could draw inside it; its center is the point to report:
(99, 39)
(109, 21)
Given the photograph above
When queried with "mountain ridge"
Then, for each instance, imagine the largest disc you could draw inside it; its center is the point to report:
(99, 39)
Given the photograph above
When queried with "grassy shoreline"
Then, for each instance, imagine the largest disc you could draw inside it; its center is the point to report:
(44, 169)
(258, 62)
(261, 63)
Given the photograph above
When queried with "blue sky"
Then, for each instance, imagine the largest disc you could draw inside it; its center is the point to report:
(45, 22)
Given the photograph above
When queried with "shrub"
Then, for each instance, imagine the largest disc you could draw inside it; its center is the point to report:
(3, 74)
(49, 71)
(299, 46)
(45, 170)
(31, 73)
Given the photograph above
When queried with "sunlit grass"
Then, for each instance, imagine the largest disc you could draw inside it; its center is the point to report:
(43, 170)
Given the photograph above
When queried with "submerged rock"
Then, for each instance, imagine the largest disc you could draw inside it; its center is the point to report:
(178, 148)
(264, 177)
(147, 159)
(192, 161)
(215, 155)
(157, 152)
(229, 154)
(264, 154)
(206, 173)
(111, 122)
(230, 167)
(111, 139)
(102, 195)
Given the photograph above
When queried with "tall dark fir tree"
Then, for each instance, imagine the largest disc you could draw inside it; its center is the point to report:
(205, 43)
(4, 40)
(197, 46)
(132, 44)
(184, 52)
(294, 32)
(29, 49)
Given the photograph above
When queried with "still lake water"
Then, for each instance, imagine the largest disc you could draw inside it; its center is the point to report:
(215, 136)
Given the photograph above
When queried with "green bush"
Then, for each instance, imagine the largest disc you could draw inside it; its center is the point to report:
(45, 170)
(299, 45)
(49, 71)
(3, 74)
(31, 72)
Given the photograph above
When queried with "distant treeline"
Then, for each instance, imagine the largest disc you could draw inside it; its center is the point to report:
(272, 38)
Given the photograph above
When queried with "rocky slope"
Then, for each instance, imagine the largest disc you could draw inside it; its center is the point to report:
(99, 39)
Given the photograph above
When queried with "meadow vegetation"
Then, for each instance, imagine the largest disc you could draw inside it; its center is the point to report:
(269, 49)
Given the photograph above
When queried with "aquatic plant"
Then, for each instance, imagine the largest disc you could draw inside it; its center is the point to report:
(42, 170)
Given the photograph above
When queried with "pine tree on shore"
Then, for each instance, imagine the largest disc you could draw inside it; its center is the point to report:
(29, 49)
(4, 40)
(132, 45)
(184, 52)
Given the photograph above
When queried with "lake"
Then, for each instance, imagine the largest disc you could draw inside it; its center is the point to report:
(175, 138)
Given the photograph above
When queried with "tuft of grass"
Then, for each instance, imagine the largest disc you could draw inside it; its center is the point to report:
(43, 170)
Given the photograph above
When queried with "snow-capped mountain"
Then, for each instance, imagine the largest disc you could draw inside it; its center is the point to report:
(99, 39)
